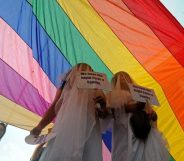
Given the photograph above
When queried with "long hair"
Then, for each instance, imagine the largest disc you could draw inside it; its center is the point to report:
(84, 67)
(77, 68)
(120, 80)
(140, 124)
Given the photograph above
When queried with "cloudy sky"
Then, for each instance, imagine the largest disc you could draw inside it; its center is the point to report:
(12, 145)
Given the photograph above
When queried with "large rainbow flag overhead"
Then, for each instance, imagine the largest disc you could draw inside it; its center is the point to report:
(42, 39)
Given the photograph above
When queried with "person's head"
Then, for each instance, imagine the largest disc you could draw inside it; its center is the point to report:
(83, 67)
(140, 124)
(77, 68)
(121, 79)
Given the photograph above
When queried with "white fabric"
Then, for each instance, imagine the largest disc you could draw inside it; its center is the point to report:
(78, 136)
(117, 99)
(120, 130)
(155, 147)
(125, 147)
(135, 147)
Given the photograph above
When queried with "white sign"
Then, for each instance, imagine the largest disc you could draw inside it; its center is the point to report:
(143, 94)
(93, 80)
(31, 139)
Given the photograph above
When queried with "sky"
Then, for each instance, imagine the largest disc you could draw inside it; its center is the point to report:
(13, 146)
(176, 7)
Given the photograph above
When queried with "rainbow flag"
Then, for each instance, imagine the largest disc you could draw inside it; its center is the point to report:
(42, 39)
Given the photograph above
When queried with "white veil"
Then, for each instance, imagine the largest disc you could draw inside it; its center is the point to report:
(117, 99)
(120, 94)
(75, 119)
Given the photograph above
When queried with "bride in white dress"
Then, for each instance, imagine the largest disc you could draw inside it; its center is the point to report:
(78, 134)
(127, 144)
